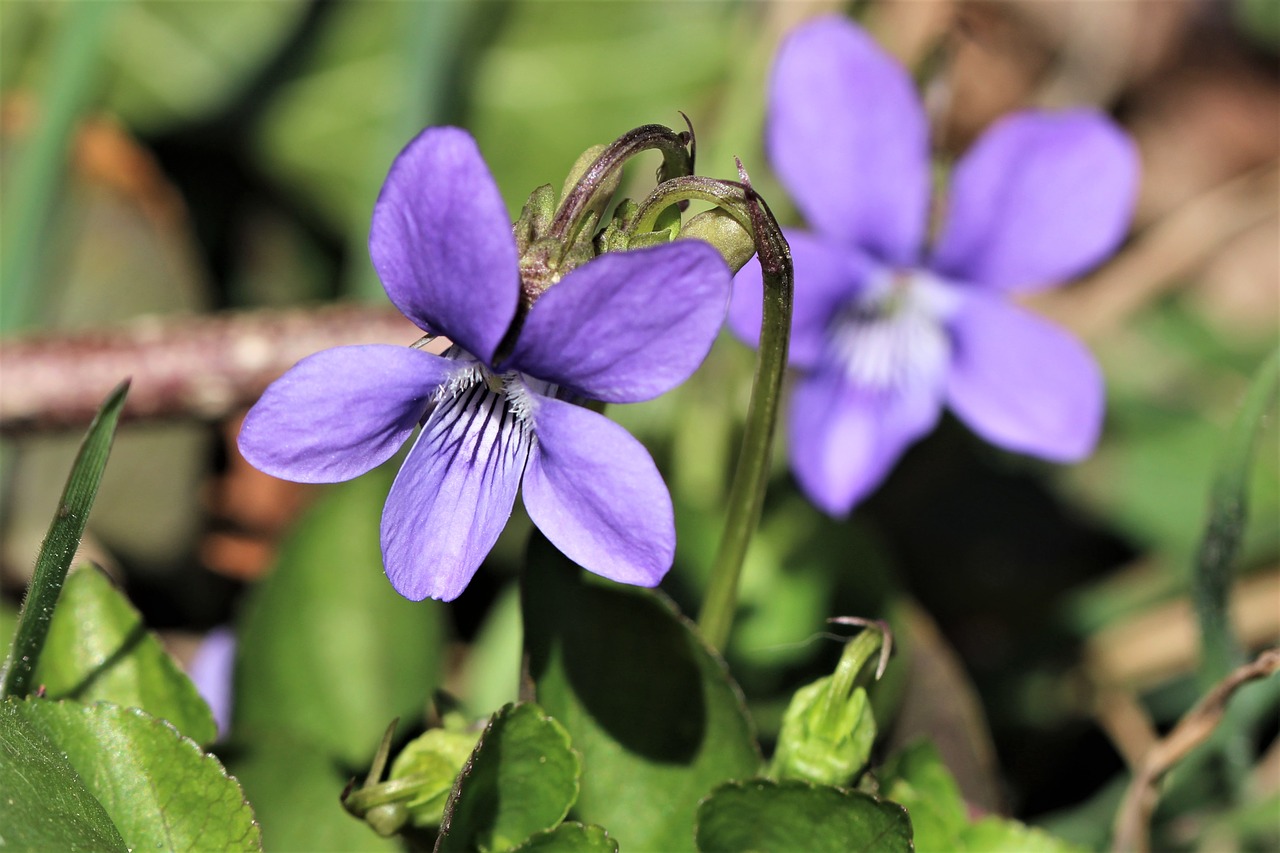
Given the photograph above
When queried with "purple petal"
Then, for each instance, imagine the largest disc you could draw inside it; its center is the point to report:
(828, 277)
(441, 242)
(1040, 198)
(211, 671)
(454, 495)
(594, 491)
(340, 412)
(844, 440)
(627, 326)
(848, 136)
(1023, 383)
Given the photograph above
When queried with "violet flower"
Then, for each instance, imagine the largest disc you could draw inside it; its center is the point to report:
(884, 332)
(211, 671)
(623, 327)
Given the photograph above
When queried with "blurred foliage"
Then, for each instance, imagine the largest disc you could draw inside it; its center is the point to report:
(228, 154)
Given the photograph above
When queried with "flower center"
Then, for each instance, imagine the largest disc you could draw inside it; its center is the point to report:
(892, 336)
(475, 386)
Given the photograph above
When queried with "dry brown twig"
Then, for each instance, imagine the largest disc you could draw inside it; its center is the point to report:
(185, 367)
(1133, 821)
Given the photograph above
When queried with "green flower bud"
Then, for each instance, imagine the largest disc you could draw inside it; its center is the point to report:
(420, 781)
(719, 228)
(828, 729)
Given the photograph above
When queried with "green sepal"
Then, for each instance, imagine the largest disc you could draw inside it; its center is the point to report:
(535, 218)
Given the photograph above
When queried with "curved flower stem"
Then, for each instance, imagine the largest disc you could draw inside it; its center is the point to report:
(677, 152)
(746, 495)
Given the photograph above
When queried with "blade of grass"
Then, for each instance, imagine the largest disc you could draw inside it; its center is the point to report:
(60, 547)
(1228, 512)
(1211, 583)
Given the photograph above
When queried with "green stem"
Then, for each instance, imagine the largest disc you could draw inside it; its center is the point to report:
(35, 176)
(746, 495)
(60, 547)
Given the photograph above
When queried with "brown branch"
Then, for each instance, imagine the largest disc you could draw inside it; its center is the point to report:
(182, 367)
(1133, 821)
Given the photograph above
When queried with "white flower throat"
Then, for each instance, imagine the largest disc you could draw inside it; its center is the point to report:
(475, 387)
(893, 336)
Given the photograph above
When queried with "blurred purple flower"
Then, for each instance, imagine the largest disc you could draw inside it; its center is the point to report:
(211, 671)
(622, 328)
(885, 333)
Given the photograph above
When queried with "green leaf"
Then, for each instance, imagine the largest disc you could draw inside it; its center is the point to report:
(522, 778)
(294, 787)
(491, 674)
(785, 816)
(178, 61)
(99, 650)
(917, 779)
(60, 546)
(647, 703)
(373, 75)
(329, 651)
(570, 837)
(998, 835)
(45, 805)
(160, 790)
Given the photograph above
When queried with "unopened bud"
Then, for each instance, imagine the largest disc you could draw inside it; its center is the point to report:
(420, 781)
(718, 227)
(828, 729)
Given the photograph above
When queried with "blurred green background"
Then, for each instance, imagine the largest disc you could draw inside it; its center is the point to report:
(163, 157)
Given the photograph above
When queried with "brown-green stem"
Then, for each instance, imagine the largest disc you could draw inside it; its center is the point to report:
(746, 495)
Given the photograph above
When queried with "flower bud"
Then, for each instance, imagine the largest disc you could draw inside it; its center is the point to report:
(828, 729)
(718, 227)
(421, 778)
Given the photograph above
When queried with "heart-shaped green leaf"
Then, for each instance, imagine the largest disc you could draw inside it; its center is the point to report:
(569, 837)
(159, 789)
(647, 703)
(796, 816)
(336, 652)
(522, 778)
(45, 805)
(99, 650)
